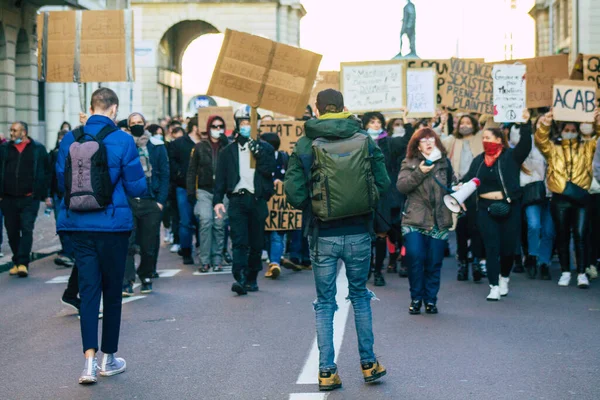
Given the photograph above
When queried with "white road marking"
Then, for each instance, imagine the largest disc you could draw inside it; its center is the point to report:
(226, 270)
(310, 372)
(130, 299)
(167, 273)
(59, 279)
(49, 250)
(308, 396)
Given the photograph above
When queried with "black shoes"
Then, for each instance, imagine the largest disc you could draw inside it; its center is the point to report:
(415, 307)
(155, 275)
(545, 273)
(518, 268)
(238, 288)
(379, 280)
(477, 274)
(531, 266)
(292, 263)
(251, 287)
(146, 286)
(74, 303)
(463, 271)
(227, 260)
(431, 308)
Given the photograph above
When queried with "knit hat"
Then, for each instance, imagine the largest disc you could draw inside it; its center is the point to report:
(330, 98)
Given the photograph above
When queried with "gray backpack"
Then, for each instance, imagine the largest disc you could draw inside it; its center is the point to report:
(88, 186)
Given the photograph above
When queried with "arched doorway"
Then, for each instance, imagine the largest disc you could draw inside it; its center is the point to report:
(26, 84)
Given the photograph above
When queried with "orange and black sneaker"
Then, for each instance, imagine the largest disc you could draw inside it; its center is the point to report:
(373, 371)
(14, 270)
(329, 380)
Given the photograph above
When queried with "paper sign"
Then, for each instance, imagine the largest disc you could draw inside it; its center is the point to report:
(421, 92)
(282, 217)
(591, 71)
(85, 46)
(289, 132)
(325, 80)
(574, 101)
(224, 112)
(510, 92)
(442, 68)
(373, 85)
(263, 73)
(470, 86)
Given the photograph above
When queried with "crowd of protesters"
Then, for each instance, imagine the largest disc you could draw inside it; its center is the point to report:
(206, 189)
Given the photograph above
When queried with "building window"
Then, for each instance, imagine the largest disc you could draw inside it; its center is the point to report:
(564, 6)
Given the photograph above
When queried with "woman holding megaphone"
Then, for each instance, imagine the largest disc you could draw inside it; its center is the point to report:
(424, 176)
(498, 201)
(569, 179)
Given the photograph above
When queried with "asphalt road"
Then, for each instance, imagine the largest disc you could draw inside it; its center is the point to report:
(194, 339)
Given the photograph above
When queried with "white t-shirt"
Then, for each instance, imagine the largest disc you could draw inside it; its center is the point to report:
(246, 173)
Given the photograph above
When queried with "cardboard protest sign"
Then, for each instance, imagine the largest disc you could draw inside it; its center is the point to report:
(373, 85)
(263, 73)
(421, 92)
(470, 87)
(224, 112)
(325, 80)
(289, 132)
(85, 46)
(442, 68)
(574, 101)
(510, 92)
(282, 217)
(591, 71)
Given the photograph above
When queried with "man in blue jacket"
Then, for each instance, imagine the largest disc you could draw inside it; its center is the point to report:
(100, 238)
(147, 210)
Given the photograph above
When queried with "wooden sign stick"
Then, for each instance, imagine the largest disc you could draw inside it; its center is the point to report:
(253, 133)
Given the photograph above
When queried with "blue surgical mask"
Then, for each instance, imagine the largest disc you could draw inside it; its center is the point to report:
(374, 133)
(18, 141)
(245, 130)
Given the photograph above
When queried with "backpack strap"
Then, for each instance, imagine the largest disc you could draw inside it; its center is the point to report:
(107, 130)
(78, 133)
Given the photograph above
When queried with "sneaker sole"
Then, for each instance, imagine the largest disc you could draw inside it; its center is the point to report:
(125, 294)
(237, 288)
(113, 373)
(583, 286)
(69, 305)
(23, 274)
(493, 299)
(373, 378)
(275, 274)
(146, 291)
(87, 380)
(329, 388)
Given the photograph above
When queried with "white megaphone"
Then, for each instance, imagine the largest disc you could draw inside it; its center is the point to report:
(453, 201)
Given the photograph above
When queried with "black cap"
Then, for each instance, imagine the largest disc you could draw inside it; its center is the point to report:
(330, 100)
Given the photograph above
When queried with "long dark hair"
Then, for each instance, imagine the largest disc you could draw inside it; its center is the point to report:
(473, 121)
(559, 127)
(499, 134)
(413, 146)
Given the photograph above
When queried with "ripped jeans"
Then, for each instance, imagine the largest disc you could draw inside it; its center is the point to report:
(355, 252)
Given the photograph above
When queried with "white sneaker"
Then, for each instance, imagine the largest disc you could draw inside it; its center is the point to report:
(175, 248)
(582, 281)
(565, 279)
(503, 285)
(592, 271)
(265, 255)
(167, 236)
(494, 293)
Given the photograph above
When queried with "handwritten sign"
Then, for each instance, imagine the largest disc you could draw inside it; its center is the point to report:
(373, 85)
(324, 80)
(289, 132)
(591, 71)
(98, 48)
(224, 112)
(470, 87)
(263, 73)
(574, 101)
(282, 217)
(442, 68)
(421, 92)
(510, 92)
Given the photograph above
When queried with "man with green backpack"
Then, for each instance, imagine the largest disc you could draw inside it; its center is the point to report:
(335, 176)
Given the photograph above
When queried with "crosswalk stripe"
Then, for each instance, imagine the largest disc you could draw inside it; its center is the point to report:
(164, 273)
(226, 270)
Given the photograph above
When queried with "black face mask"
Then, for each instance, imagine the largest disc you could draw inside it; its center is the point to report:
(137, 130)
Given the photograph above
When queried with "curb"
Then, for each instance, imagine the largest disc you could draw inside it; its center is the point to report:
(6, 262)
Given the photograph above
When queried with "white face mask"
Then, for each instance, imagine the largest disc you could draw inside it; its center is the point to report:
(435, 155)
(399, 131)
(216, 133)
(569, 135)
(586, 129)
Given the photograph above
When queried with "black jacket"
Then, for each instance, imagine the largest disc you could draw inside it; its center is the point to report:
(281, 165)
(52, 181)
(201, 174)
(159, 160)
(179, 159)
(228, 172)
(510, 164)
(394, 152)
(37, 171)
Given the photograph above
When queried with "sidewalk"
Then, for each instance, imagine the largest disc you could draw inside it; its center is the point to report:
(45, 240)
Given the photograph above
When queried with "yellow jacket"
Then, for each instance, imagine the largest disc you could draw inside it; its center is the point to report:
(569, 160)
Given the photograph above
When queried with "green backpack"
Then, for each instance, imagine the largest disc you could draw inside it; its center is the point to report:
(341, 177)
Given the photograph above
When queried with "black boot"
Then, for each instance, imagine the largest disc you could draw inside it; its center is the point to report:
(393, 263)
(187, 256)
(251, 283)
(545, 273)
(531, 266)
(379, 280)
(463, 271)
(518, 267)
(403, 270)
(238, 285)
(477, 275)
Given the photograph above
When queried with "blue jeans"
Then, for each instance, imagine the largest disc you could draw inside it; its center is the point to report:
(277, 246)
(424, 256)
(540, 231)
(299, 246)
(65, 240)
(186, 219)
(355, 252)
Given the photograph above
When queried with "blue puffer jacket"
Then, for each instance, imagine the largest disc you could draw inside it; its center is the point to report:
(127, 176)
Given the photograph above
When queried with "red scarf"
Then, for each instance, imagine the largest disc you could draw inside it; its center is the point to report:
(492, 152)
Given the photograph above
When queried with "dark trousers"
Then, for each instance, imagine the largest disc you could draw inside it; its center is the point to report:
(146, 233)
(72, 289)
(19, 219)
(424, 257)
(466, 229)
(247, 216)
(593, 229)
(100, 258)
(67, 247)
(500, 237)
(569, 216)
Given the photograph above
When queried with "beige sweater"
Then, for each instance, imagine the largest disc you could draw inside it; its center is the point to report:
(454, 147)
